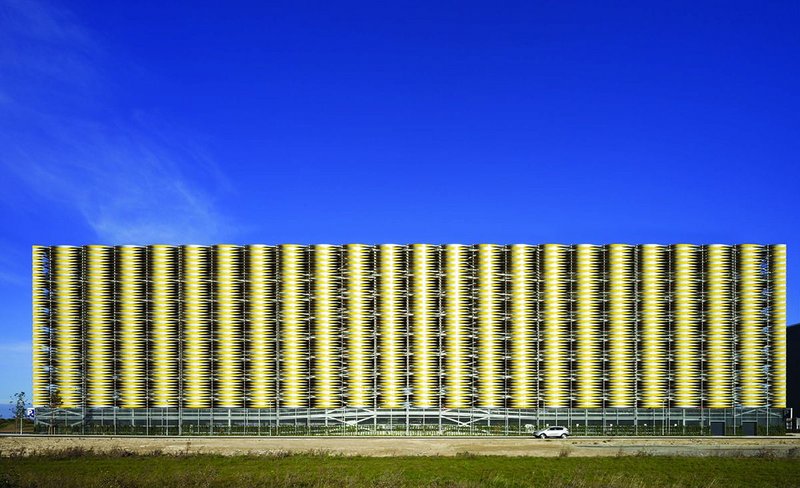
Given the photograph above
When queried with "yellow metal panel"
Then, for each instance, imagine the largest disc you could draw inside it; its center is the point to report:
(41, 325)
(66, 303)
(196, 315)
(164, 326)
(359, 317)
(99, 318)
(752, 339)
(345, 313)
(228, 327)
(262, 319)
(686, 325)
(588, 326)
(458, 326)
(523, 320)
(555, 322)
(424, 298)
(777, 325)
(391, 325)
(621, 326)
(718, 331)
(326, 326)
(654, 324)
(294, 370)
(131, 326)
(489, 307)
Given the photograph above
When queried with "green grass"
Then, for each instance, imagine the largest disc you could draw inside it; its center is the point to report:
(12, 426)
(80, 468)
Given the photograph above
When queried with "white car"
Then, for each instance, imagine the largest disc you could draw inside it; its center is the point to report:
(550, 432)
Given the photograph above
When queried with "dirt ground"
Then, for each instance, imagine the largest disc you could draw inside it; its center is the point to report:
(416, 446)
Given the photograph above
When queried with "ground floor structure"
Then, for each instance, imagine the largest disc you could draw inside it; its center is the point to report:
(410, 421)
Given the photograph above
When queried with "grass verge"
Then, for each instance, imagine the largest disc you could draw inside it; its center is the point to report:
(83, 468)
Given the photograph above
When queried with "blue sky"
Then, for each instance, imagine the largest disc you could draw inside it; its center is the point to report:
(270, 122)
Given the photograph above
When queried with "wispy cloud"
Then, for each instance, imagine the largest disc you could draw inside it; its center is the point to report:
(47, 22)
(131, 180)
(44, 40)
(130, 188)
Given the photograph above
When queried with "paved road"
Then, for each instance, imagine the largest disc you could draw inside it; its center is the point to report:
(415, 446)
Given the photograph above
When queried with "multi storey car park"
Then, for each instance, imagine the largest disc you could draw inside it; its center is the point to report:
(394, 339)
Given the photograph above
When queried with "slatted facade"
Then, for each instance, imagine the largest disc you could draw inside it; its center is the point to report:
(410, 326)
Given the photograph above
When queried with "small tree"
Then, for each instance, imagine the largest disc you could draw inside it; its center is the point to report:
(55, 402)
(55, 399)
(19, 408)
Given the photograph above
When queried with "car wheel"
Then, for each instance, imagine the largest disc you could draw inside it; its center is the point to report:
(542, 436)
(563, 436)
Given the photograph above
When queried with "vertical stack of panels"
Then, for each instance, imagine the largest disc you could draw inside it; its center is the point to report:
(523, 317)
(391, 326)
(424, 329)
(718, 308)
(41, 341)
(261, 313)
(294, 333)
(131, 297)
(229, 327)
(555, 326)
(458, 371)
(620, 292)
(326, 326)
(686, 320)
(66, 304)
(752, 339)
(164, 322)
(777, 325)
(588, 327)
(99, 317)
(427, 326)
(196, 317)
(490, 324)
(359, 325)
(654, 329)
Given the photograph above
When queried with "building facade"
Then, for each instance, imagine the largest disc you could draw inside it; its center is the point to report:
(383, 334)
